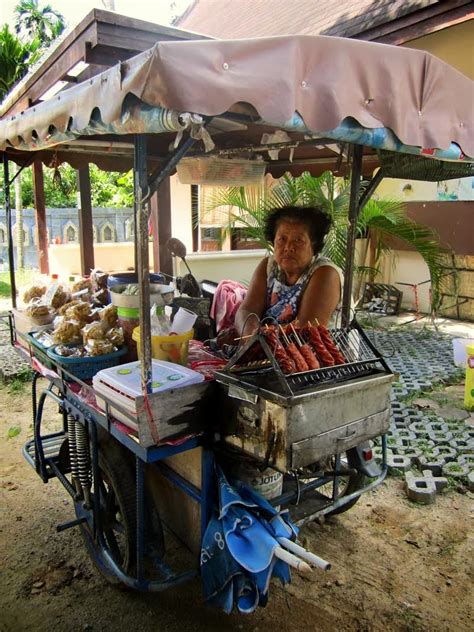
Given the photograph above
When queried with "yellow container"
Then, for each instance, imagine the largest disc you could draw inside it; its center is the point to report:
(469, 388)
(169, 348)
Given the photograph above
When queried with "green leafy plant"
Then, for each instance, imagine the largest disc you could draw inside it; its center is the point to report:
(380, 221)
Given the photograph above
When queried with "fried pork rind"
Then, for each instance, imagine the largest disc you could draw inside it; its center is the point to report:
(99, 347)
(60, 297)
(80, 312)
(68, 332)
(63, 309)
(82, 284)
(37, 310)
(94, 331)
(109, 316)
(69, 352)
(35, 291)
(115, 336)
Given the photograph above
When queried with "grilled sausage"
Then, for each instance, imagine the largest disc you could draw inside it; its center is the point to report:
(331, 345)
(309, 356)
(296, 356)
(312, 335)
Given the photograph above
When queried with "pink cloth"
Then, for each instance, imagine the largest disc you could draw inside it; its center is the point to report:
(227, 299)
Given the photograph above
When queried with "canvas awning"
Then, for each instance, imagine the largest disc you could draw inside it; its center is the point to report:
(337, 90)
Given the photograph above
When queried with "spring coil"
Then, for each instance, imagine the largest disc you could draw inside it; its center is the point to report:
(83, 461)
(71, 426)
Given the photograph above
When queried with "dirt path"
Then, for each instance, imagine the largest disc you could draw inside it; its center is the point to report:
(396, 566)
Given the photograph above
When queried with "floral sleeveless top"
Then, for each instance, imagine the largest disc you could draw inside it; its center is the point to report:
(283, 300)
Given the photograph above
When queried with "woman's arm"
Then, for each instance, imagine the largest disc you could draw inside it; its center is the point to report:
(321, 296)
(255, 301)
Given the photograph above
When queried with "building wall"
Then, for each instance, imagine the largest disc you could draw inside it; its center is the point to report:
(455, 45)
(57, 222)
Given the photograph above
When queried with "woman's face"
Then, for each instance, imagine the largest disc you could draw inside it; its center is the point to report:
(293, 249)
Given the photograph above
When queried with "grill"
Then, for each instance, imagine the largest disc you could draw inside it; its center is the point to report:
(362, 359)
(291, 421)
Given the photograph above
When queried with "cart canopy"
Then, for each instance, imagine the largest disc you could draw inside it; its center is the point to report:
(387, 98)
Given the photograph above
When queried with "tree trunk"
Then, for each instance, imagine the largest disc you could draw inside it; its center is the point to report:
(20, 251)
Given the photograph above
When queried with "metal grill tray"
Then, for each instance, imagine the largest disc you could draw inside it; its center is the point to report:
(267, 379)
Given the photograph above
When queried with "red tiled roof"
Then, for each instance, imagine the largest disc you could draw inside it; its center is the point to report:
(235, 19)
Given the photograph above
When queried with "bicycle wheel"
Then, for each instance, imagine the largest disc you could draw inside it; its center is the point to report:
(117, 513)
(346, 485)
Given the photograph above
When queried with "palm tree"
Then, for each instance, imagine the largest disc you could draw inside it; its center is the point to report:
(34, 21)
(379, 221)
(15, 58)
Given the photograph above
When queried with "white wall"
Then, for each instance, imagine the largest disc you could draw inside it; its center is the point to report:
(408, 267)
(216, 266)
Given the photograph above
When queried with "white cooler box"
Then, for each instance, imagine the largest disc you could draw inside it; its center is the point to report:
(122, 384)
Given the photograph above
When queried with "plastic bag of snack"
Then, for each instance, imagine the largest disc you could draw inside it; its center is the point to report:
(82, 284)
(94, 331)
(57, 296)
(115, 336)
(109, 316)
(69, 352)
(68, 332)
(99, 279)
(80, 312)
(62, 310)
(99, 347)
(100, 297)
(35, 291)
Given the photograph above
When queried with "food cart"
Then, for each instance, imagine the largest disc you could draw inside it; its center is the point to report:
(315, 103)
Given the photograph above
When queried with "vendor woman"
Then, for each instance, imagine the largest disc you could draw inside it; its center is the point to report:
(296, 282)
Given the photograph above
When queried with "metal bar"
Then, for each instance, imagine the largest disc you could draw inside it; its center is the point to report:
(178, 480)
(140, 158)
(163, 171)
(369, 191)
(357, 151)
(140, 518)
(207, 480)
(8, 214)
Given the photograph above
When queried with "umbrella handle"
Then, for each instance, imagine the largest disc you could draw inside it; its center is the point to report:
(313, 559)
(292, 560)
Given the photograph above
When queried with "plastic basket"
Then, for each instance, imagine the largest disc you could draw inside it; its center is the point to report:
(39, 351)
(215, 171)
(85, 368)
(169, 348)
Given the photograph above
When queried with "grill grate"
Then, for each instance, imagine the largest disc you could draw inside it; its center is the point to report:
(362, 359)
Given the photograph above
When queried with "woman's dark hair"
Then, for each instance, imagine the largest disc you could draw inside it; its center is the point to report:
(314, 218)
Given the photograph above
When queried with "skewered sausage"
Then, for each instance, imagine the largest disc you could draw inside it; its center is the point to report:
(314, 338)
(309, 356)
(296, 356)
(285, 362)
(331, 345)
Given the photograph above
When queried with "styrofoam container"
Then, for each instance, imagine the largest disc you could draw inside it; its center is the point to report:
(122, 384)
(460, 350)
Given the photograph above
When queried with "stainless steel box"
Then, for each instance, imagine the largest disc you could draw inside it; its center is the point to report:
(294, 432)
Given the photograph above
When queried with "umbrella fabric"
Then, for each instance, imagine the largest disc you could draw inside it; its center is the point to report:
(237, 555)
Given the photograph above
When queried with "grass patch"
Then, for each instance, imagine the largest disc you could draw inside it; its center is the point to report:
(18, 383)
(22, 277)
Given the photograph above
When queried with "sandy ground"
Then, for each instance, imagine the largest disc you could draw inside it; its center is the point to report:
(396, 565)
